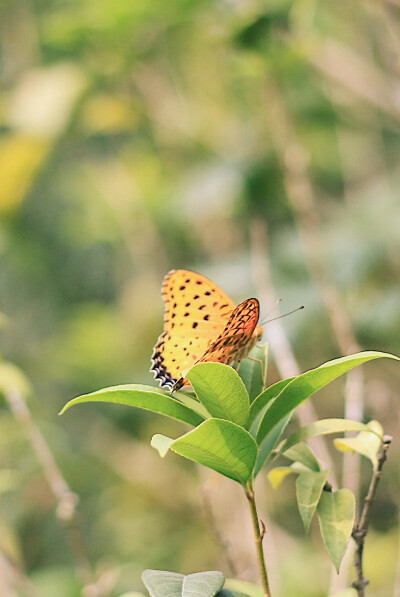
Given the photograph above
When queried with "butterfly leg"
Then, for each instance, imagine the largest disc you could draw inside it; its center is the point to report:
(261, 365)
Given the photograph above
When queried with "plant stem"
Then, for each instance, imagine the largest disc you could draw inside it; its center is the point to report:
(258, 538)
(361, 529)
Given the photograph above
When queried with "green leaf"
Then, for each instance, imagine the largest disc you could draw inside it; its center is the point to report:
(221, 445)
(220, 389)
(269, 443)
(203, 584)
(309, 486)
(145, 397)
(162, 443)
(336, 512)
(160, 583)
(259, 404)
(302, 453)
(251, 370)
(367, 443)
(323, 427)
(305, 385)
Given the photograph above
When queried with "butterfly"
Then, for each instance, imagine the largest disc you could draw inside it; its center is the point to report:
(201, 324)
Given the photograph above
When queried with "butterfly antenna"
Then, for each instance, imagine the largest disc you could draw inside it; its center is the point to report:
(285, 314)
(274, 306)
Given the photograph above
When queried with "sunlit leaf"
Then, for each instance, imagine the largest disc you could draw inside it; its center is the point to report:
(365, 443)
(336, 512)
(222, 392)
(322, 427)
(161, 443)
(220, 445)
(277, 475)
(145, 397)
(303, 386)
(309, 487)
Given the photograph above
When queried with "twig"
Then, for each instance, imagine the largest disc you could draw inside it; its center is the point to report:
(341, 64)
(361, 529)
(67, 501)
(12, 575)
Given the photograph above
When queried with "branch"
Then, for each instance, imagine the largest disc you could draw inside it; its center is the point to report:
(361, 529)
(67, 501)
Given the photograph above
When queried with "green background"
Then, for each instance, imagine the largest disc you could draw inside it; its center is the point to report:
(140, 136)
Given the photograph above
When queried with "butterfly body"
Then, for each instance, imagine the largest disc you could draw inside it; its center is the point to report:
(201, 324)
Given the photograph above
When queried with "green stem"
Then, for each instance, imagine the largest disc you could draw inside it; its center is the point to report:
(258, 538)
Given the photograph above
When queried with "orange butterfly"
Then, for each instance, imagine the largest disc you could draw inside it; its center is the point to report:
(201, 323)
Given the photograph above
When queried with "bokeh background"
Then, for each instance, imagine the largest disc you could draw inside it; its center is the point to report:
(256, 142)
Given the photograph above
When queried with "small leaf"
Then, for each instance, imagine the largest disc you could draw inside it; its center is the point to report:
(203, 584)
(222, 392)
(162, 443)
(309, 487)
(145, 397)
(301, 452)
(303, 386)
(252, 369)
(336, 512)
(220, 445)
(160, 583)
(366, 443)
(277, 475)
(322, 427)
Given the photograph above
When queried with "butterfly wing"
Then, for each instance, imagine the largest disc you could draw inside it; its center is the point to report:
(237, 338)
(196, 312)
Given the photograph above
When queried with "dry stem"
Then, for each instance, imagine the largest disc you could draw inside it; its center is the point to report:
(361, 529)
(67, 501)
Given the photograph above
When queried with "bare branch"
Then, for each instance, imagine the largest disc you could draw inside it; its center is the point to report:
(361, 529)
(67, 501)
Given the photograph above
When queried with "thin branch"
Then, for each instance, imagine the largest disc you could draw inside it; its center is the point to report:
(11, 575)
(67, 501)
(342, 65)
(361, 529)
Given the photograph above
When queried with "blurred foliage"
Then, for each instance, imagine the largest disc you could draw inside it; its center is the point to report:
(140, 136)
